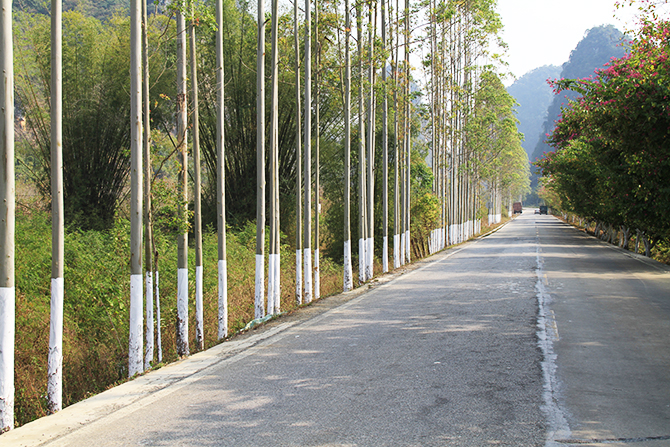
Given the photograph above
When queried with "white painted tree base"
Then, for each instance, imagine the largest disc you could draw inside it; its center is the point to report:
(317, 275)
(136, 328)
(307, 254)
(260, 287)
(385, 255)
(149, 335)
(298, 277)
(7, 334)
(223, 299)
(199, 323)
(182, 312)
(55, 358)
(348, 274)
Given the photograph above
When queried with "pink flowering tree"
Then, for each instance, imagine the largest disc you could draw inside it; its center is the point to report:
(612, 157)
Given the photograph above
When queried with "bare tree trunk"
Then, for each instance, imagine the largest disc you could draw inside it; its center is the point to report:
(135, 351)
(298, 163)
(199, 323)
(307, 245)
(182, 240)
(55, 359)
(385, 150)
(221, 179)
(317, 156)
(260, 164)
(370, 190)
(362, 195)
(273, 262)
(148, 217)
(7, 213)
(348, 272)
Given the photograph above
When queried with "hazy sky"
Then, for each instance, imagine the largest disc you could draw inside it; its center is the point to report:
(543, 32)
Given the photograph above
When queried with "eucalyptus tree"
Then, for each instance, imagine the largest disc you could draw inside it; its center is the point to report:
(55, 358)
(385, 144)
(396, 157)
(260, 164)
(148, 225)
(370, 153)
(221, 180)
(7, 213)
(273, 261)
(407, 141)
(362, 196)
(298, 154)
(182, 239)
(135, 350)
(199, 324)
(317, 154)
(348, 273)
(307, 134)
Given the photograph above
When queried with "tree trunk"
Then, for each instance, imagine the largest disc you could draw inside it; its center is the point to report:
(55, 358)
(7, 212)
(273, 262)
(348, 271)
(148, 217)
(385, 150)
(136, 352)
(199, 322)
(307, 135)
(260, 165)
(182, 147)
(221, 180)
(317, 156)
(298, 163)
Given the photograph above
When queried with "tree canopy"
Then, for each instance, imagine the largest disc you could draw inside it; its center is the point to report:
(612, 157)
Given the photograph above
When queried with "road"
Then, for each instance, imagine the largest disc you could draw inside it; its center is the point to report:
(536, 335)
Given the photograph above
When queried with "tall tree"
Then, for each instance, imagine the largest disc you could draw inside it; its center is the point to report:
(385, 148)
(348, 273)
(273, 261)
(55, 359)
(7, 210)
(317, 154)
(148, 224)
(136, 351)
(298, 154)
(199, 324)
(220, 179)
(260, 164)
(182, 239)
(307, 134)
(362, 185)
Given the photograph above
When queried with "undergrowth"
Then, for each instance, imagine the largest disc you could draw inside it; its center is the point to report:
(96, 303)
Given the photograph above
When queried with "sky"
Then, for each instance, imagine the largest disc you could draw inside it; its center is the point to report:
(544, 32)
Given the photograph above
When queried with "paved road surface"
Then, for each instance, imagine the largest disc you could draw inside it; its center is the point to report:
(448, 354)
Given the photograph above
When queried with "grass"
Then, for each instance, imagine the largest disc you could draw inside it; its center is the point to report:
(97, 291)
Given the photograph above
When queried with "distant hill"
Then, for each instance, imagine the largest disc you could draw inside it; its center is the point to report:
(598, 46)
(595, 50)
(534, 95)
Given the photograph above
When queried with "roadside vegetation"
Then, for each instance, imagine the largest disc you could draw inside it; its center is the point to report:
(611, 164)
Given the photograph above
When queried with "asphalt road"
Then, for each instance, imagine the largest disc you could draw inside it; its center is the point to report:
(536, 335)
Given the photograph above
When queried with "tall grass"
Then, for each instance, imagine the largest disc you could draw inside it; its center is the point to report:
(97, 291)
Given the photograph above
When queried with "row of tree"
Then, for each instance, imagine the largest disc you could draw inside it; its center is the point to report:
(466, 129)
(611, 164)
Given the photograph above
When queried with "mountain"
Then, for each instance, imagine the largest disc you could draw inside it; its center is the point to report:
(534, 95)
(596, 49)
(598, 46)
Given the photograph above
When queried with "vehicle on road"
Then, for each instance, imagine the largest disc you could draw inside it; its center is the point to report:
(544, 209)
(517, 208)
